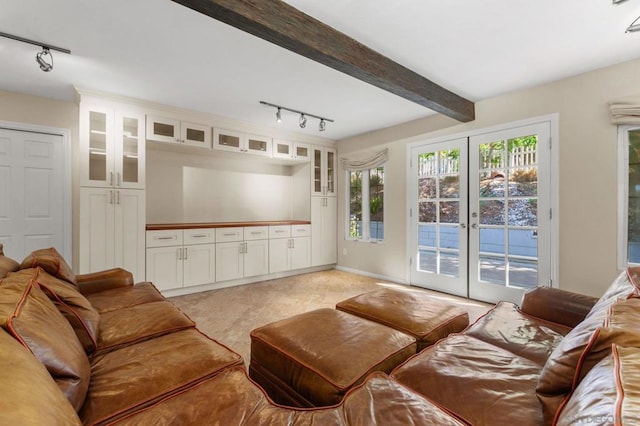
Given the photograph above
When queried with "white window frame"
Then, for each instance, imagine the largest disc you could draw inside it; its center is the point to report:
(623, 194)
(366, 212)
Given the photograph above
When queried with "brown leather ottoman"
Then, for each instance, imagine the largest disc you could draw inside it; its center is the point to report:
(415, 313)
(313, 359)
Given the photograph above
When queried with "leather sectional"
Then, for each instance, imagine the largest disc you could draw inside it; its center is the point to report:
(97, 349)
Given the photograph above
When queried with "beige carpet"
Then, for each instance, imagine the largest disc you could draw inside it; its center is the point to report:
(228, 315)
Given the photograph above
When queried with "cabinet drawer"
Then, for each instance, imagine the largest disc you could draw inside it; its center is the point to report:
(225, 235)
(280, 231)
(164, 238)
(199, 236)
(256, 233)
(300, 230)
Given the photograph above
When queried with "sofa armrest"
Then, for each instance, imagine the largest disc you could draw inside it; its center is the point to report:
(555, 305)
(104, 280)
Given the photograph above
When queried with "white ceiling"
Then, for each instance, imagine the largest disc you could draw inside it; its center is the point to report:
(160, 51)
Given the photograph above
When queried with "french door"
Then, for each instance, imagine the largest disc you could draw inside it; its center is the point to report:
(481, 213)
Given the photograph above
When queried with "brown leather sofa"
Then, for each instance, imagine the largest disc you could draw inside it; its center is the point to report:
(97, 349)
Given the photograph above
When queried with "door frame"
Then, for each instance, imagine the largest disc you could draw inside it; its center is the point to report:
(553, 120)
(67, 206)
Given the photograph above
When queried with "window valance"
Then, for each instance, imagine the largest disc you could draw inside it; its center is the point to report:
(625, 111)
(371, 162)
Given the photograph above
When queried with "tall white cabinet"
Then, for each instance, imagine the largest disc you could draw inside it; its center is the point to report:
(323, 206)
(112, 199)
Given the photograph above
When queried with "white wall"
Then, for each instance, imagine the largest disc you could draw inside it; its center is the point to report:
(588, 167)
(221, 187)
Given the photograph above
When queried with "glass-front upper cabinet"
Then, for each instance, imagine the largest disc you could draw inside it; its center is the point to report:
(229, 140)
(323, 170)
(112, 147)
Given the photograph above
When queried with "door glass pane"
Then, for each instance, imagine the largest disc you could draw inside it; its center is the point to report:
(163, 129)
(195, 135)
(317, 170)
(97, 146)
(282, 148)
(523, 273)
(330, 172)
(257, 145)
(438, 189)
(302, 151)
(376, 203)
(508, 210)
(130, 149)
(492, 269)
(228, 140)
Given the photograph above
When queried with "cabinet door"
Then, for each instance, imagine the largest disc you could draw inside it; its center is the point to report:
(323, 231)
(228, 140)
(300, 253)
(195, 134)
(256, 258)
(129, 150)
(324, 165)
(282, 149)
(96, 229)
(301, 151)
(129, 231)
(164, 267)
(259, 145)
(96, 146)
(317, 180)
(279, 255)
(230, 261)
(199, 264)
(163, 129)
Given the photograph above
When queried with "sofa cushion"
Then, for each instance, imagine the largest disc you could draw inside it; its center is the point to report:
(124, 297)
(507, 327)
(138, 323)
(72, 304)
(477, 381)
(51, 261)
(583, 347)
(30, 396)
(426, 318)
(7, 264)
(608, 394)
(230, 398)
(28, 314)
(132, 377)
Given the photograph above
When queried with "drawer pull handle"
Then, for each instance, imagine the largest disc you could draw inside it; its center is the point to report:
(199, 236)
(230, 235)
(165, 238)
(256, 233)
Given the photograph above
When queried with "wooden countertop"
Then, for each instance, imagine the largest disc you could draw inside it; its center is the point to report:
(171, 226)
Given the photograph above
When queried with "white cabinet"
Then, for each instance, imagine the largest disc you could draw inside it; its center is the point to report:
(181, 258)
(323, 231)
(112, 223)
(172, 130)
(289, 247)
(296, 151)
(242, 252)
(229, 140)
(112, 146)
(323, 171)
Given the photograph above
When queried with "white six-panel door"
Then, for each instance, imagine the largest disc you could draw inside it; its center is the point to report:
(32, 193)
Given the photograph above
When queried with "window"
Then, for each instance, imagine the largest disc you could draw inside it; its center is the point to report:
(629, 196)
(366, 188)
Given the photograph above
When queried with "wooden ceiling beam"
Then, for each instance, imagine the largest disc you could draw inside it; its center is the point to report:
(287, 27)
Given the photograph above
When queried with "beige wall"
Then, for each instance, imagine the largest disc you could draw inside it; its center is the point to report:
(588, 174)
(26, 109)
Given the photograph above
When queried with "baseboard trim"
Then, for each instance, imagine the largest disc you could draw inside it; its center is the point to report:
(371, 275)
